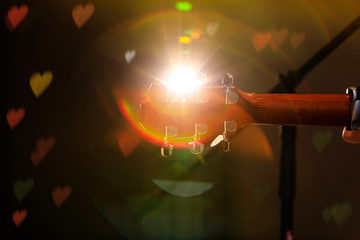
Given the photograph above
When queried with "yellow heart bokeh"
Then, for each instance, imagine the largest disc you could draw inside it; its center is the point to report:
(39, 83)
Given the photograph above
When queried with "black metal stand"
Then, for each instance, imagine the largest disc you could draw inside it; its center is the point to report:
(287, 84)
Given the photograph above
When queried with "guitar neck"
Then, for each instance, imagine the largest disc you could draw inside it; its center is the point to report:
(214, 108)
(299, 109)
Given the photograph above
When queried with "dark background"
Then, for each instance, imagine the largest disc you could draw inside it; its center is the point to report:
(113, 196)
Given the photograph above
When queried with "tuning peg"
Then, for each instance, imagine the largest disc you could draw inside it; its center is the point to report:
(230, 96)
(217, 140)
(226, 141)
(229, 127)
(227, 79)
(354, 93)
(226, 145)
(196, 147)
(167, 149)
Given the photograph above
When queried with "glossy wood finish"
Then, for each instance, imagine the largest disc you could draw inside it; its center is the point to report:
(161, 108)
(299, 109)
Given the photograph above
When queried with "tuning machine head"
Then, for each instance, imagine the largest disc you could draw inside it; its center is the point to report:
(226, 145)
(229, 127)
(231, 97)
(167, 148)
(196, 147)
(354, 93)
(227, 79)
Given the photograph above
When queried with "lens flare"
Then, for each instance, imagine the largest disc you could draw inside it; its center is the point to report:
(183, 80)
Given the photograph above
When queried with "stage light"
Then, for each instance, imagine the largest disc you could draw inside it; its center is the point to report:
(183, 80)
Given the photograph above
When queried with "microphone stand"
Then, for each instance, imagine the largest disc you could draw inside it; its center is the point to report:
(287, 84)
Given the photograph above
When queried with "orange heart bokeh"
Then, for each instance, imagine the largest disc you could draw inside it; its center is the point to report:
(15, 16)
(43, 146)
(59, 195)
(14, 117)
(19, 216)
(260, 40)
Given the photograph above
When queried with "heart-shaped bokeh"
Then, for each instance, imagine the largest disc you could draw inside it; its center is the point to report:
(322, 139)
(82, 14)
(14, 116)
(278, 37)
(260, 40)
(22, 188)
(39, 83)
(130, 55)
(15, 16)
(60, 195)
(19, 216)
(341, 212)
(43, 147)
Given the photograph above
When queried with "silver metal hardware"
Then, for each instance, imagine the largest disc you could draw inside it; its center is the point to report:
(196, 147)
(172, 131)
(226, 141)
(228, 81)
(202, 128)
(231, 126)
(167, 148)
(232, 97)
(226, 145)
(217, 140)
(354, 92)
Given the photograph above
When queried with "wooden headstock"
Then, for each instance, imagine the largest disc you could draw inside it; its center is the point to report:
(196, 118)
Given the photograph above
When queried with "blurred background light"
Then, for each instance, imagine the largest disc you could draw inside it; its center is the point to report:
(184, 39)
(183, 6)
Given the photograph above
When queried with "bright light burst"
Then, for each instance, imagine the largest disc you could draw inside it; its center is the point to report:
(183, 80)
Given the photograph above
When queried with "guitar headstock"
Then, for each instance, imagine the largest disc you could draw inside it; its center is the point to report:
(204, 115)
